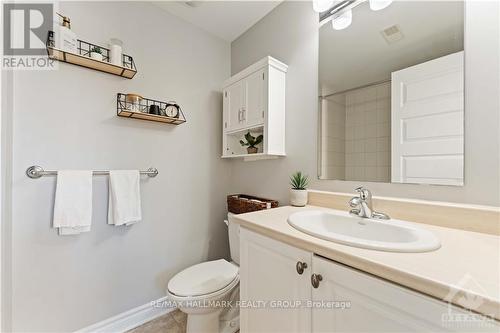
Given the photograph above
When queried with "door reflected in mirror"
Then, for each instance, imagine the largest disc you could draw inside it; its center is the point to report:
(391, 93)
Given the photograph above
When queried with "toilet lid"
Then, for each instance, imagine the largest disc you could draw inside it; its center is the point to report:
(204, 278)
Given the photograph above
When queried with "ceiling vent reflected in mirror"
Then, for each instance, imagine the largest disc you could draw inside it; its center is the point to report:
(392, 34)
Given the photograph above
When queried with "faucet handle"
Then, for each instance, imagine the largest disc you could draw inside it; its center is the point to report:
(364, 193)
(359, 189)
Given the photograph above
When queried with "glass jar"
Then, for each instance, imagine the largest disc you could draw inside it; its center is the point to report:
(133, 103)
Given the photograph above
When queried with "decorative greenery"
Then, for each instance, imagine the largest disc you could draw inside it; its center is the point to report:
(251, 140)
(299, 181)
(96, 49)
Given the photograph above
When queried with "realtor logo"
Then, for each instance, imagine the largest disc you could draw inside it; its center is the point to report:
(472, 301)
(25, 30)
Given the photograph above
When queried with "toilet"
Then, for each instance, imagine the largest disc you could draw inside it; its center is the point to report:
(208, 292)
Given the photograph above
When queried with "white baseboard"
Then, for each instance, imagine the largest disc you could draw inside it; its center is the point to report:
(128, 320)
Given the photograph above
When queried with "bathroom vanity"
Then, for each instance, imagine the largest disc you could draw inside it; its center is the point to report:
(294, 282)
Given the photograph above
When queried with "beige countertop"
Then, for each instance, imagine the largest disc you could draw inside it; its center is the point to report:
(464, 271)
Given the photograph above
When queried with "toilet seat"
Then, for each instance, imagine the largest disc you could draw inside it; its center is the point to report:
(207, 279)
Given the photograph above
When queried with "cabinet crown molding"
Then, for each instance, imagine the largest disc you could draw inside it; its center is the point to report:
(262, 63)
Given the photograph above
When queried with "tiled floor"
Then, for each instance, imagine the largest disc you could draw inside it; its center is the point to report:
(173, 322)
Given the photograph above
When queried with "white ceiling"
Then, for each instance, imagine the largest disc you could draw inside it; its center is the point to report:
(359, 55)
(224, 19)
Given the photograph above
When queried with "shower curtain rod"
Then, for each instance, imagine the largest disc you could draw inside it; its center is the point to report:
(356, 88)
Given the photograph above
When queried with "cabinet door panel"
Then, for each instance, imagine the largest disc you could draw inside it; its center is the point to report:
(268, 273)
(254, 106)
(234, 98)
(377, 305)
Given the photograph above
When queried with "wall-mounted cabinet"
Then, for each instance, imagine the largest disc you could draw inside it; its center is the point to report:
(254, 101)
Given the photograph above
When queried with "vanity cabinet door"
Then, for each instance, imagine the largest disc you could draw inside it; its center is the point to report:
(377, 305)
(269, 274)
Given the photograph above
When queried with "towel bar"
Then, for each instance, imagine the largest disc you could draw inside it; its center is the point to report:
(36, 171)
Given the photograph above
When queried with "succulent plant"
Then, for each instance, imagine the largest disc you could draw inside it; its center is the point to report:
(96, 49)
(299, 181)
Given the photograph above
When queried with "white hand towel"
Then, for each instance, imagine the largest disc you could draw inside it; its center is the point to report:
(73, 202)
(124, 205)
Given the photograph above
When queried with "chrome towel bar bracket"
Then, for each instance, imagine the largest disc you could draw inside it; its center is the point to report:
(36, 171)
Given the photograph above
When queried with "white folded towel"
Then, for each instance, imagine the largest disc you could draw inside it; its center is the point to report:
(73, 202)
(124, 205)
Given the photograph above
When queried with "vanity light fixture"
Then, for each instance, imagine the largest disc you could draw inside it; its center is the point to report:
(340, 12)
(343, 20)
(379, 4)
(322, 5)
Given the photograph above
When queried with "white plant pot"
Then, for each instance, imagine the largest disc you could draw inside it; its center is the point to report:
(96, 56)
(298, 198)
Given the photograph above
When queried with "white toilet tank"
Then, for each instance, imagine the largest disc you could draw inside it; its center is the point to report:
(233, 230)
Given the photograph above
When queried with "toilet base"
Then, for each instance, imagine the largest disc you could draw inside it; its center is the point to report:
(210, 320)
(210, 323)
(203, 322)
(230, 326)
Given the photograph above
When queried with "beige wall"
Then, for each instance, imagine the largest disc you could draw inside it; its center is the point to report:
(66, 119)
(355, 135)
(290, 33)
(333, 145)
(368, 131)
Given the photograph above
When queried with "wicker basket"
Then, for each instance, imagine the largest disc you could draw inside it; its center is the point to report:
(242, 203)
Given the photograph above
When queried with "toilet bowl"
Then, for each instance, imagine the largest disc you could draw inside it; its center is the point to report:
(208, 292)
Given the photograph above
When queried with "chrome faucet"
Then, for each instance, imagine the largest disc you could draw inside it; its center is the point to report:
(362, 205)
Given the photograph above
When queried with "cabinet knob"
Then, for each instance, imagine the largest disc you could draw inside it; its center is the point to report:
(301, 266)
(315, 280)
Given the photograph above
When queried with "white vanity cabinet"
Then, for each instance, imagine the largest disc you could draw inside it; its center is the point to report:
(268, 273)
(343, 299)
(254, 101)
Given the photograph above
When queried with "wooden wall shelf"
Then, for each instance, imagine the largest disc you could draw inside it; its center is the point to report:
(123, 109)
(82, 58)
(150, 117)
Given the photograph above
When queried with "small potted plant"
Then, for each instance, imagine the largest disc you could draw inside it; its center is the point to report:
(251, 142)
(96, 53)
(298, 193)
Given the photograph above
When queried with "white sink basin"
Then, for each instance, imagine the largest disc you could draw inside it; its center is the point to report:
(385, 235)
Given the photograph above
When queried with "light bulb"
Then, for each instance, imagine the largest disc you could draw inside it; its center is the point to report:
(343, 20)
(379, 4)
(322, 5)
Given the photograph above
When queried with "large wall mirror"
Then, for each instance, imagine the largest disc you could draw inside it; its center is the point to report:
(391, 92)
